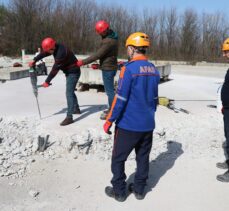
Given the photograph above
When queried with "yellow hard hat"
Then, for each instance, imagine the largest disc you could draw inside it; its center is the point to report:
(138, 39)
(226, 45)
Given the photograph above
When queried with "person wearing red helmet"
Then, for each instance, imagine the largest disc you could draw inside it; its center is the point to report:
(107, 55)
(65, 60)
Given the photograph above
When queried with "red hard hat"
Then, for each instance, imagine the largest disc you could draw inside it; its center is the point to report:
(101, 26)
(48, 44)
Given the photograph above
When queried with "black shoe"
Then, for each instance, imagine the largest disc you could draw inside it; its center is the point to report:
(77, 111)
(110, 192)
(223, 165)
(223, 177)
(67, 121)
(138, 196)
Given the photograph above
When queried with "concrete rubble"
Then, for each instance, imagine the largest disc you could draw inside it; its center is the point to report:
(19, 145)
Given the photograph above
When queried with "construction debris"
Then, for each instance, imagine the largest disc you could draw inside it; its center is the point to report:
(34, 193)
(42, 143)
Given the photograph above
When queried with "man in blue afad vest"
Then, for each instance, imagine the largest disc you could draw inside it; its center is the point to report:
(133, 111)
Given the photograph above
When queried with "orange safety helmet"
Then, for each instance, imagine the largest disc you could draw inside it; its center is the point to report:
(48, 43)
(138, 39)
(226, 45)
(101, 26)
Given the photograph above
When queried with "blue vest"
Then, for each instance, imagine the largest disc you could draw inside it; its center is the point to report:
(136, 99)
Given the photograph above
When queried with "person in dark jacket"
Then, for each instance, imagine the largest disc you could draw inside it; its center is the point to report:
(133, 111)
(65, 60)
(225, 111)
(107, 55)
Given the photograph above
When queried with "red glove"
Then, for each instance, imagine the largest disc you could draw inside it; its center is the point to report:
(79, 63)
(32, 64)
(106, 127)
(95, 66)
(45, 84)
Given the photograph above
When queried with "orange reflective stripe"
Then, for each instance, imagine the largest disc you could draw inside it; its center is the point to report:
(123, 69)
(112, 107)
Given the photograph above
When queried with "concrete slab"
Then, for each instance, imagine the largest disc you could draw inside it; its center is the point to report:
(13, 73)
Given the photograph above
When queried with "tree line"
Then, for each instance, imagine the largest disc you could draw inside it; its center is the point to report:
(186, 36)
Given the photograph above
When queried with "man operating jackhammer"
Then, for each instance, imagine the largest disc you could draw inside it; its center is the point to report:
(65, 60)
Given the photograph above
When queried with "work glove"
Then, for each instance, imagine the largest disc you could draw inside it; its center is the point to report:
(79, 63)
(32, 64)
(45, 84)
(106, 127)
(95, 66)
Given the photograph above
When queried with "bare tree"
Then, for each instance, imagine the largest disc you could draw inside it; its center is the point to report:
(149, 26)
(171, 32)
(162, 43)
(189, 35)
(213, 33)
(24, 23)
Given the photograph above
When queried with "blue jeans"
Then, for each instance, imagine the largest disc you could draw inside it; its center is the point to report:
(72, 101)
(108, 82)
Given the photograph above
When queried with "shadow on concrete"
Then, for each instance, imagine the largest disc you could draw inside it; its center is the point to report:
(159, 166)
(86, 110)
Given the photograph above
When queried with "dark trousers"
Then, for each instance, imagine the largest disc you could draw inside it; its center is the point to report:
(124, 142)
(108, 82)
(72, 101)
(226, 132)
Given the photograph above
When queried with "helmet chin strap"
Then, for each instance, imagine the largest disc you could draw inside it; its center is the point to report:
(131, 54)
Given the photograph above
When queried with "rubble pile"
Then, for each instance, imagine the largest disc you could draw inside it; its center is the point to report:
(20, 143)
(16, 145)
(21, 140)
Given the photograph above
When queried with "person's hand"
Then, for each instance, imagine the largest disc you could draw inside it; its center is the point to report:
(79, 63)
(45, 84)
(106, 127)
(222, 110)
(32, 64)
(95, 66)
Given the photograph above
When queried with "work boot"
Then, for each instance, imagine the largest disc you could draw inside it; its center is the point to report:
(138, 196)
(110, 192)
(67, 121)
(223, 177)
(77, 111)
(223, 165)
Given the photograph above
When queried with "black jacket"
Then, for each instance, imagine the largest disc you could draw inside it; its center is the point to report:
(225, 91)
(64, 60)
